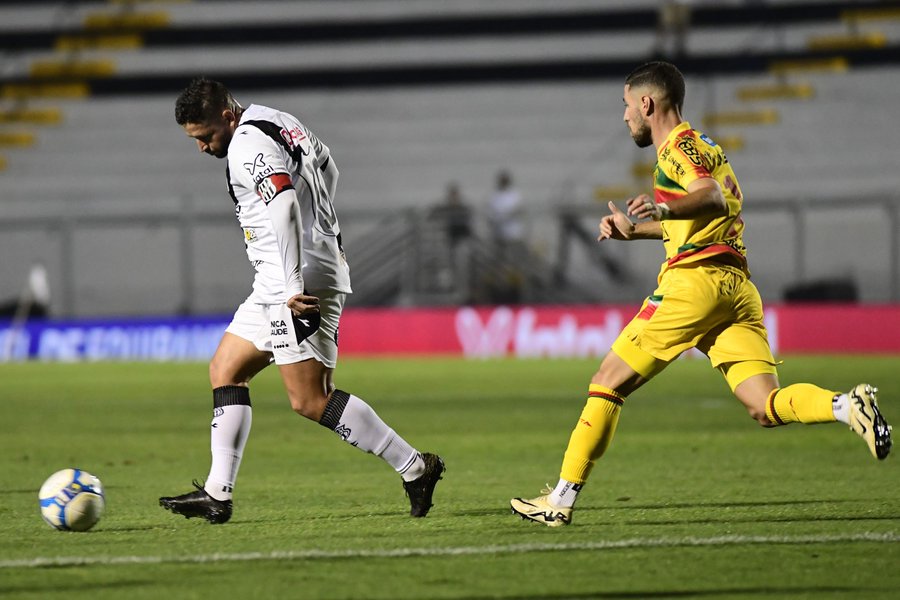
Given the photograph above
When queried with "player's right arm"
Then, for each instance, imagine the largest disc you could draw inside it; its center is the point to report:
(704, 198)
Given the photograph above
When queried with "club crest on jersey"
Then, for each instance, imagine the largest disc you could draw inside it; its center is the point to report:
(273, 185)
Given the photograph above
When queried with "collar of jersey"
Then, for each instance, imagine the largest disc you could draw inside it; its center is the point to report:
(678, 130)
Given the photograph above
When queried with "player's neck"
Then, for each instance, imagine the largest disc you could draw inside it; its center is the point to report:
(664, 126)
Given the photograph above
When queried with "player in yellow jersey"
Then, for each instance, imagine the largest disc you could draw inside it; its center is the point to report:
(704, 298)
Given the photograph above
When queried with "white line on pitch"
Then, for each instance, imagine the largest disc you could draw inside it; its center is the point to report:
(724, 540)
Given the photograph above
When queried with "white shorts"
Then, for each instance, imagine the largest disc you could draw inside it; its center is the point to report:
(271, 329)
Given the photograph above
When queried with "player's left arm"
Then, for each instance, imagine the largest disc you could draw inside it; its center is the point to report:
(330, 175)
(258, 164)
(704, 198)
(284, 212)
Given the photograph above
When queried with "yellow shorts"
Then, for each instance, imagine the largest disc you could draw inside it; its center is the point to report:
(711, 307)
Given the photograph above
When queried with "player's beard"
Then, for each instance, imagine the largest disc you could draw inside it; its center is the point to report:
(642, 136)
(222, 152)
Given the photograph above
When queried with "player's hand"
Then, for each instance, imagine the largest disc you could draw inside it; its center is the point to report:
(301, 304)
(615, 226)
(643, 207)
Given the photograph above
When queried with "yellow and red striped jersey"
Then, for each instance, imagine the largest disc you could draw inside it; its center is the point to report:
(686, 156)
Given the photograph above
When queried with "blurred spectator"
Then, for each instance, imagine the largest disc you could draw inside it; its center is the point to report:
(456, 215)
(34, 301)
(507, 222)
(506, 217)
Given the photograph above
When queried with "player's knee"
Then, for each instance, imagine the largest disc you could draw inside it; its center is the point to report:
(756, 408)
(624, 381)
(758, 414)
(304, 409)
(217, 373)
(753, 391)
(308, 406)
(221, 373)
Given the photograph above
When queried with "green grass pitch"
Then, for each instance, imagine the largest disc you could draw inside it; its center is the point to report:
(693, 499)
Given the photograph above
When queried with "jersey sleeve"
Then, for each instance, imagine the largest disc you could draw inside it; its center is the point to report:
(258, 164)
(686, 163)
(321, 151)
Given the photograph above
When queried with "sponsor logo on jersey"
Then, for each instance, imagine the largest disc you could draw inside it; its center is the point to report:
(258, 163)
(273, 185)
(258, 169)
(250, 235)
(263, 174)
(294, 137)
(676, 166)
(689, 147)
(707, 139)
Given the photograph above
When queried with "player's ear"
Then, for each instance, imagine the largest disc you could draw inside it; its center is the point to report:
(648, 105)
(229, 116)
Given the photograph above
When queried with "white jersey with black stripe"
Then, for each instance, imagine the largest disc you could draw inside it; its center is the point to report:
(272, 151)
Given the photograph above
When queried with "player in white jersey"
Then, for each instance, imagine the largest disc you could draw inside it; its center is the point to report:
(282, 180)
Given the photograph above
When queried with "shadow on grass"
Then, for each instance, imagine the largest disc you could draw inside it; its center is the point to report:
(55, 587)
(483, 512)
(747, 504)
(721, 593)
(797, 519)
(503, 507)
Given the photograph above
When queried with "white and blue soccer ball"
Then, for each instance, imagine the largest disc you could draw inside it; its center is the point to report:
(72, 500)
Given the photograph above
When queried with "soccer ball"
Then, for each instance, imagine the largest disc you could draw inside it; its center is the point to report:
(72, 500)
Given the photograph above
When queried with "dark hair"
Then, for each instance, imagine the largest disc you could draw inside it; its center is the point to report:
(662, 75)
(203, 101)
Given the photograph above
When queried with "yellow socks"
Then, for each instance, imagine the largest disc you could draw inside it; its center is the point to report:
(592, 434)
(800, 403)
